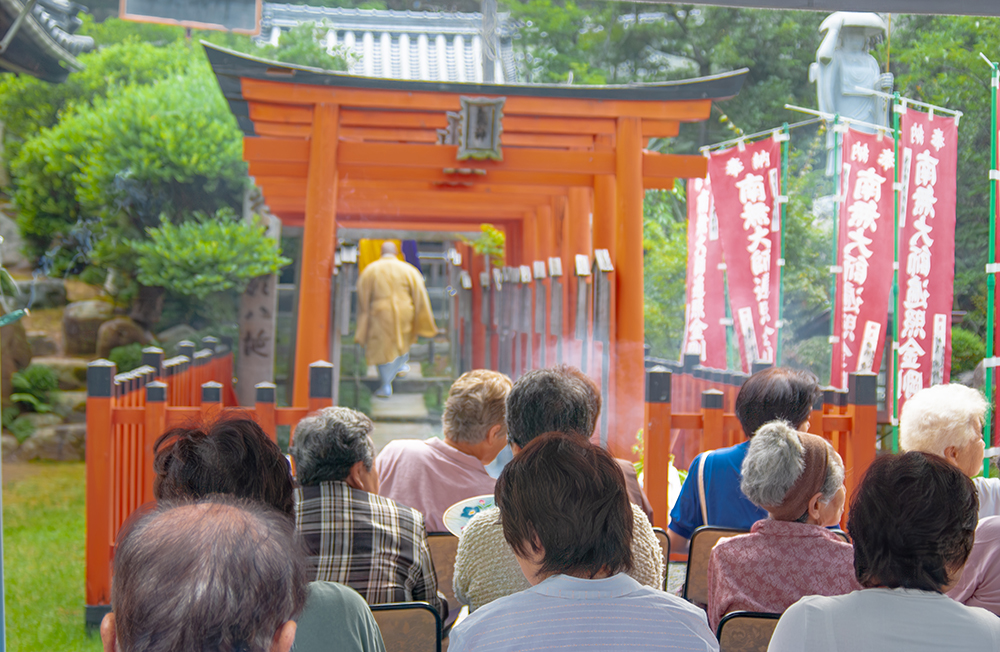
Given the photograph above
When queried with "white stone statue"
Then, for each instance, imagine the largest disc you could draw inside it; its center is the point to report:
(844, 68)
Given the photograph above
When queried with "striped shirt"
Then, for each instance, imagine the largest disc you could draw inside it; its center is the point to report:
(370, 543)
(569, 613)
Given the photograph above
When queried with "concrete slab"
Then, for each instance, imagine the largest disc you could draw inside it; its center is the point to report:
(386, 432)
(414, 372)
(399, 407)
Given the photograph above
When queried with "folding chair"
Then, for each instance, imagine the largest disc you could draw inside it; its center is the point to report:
(408, 626)
(664, 541)
(444, 547)
(699, 552)
(746, 631)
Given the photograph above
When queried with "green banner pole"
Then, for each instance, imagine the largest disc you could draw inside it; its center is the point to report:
(991, 260)
(894, 379)
(783, 212)
(836, 234)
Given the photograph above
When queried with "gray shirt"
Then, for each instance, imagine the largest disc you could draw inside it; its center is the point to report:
(335, 612)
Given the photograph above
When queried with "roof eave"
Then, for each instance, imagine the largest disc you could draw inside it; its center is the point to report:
(232, 64)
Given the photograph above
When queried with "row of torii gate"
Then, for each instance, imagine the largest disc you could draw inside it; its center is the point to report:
(336, 151)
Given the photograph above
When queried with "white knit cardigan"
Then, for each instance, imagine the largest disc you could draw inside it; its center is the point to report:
(486, 569)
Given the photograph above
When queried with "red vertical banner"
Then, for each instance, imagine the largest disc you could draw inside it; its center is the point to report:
(864, 254)
(746, 185)
(928, 160)
(704, 332)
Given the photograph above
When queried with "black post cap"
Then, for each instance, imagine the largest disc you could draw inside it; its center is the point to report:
(861, 388)
(265, 392)
(759, 365)
(186, 349)
(156, 392)
(209, 342)
(202, 357)
(711, 399)
(211, 392)
(658, 384)
(101, 378)
(153, 357)
(830, 395)
(321, 379)
(691, 360)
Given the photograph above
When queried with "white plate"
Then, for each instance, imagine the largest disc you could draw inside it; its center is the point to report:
(456, 516)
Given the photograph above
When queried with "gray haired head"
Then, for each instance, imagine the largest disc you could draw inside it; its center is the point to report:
(329, 442)
(222, 573)
(775, 461)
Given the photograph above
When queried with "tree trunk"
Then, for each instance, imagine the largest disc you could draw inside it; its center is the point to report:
(147, 306)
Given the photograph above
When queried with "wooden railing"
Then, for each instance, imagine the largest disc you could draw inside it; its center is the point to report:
(127, 412)
(847, 419)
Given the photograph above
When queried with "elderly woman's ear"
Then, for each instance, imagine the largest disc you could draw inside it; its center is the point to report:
(827, 514)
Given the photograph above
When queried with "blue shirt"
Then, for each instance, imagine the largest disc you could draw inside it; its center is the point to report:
(727, 506)
(569, 613)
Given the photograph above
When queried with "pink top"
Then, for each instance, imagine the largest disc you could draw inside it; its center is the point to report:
(779, 562)
(980, 583)
(430, 476)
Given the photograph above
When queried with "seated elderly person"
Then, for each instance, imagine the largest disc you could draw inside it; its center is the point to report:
(912, 518)
(352, 535)
(565, 514)
(235, 457)
(980, 583)
(947, 420)
(434, 474)
(181, 582)
(799, 479)
(773, 394)
(227, 456)
(559, 399)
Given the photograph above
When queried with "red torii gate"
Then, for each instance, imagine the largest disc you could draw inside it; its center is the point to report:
(328, 147)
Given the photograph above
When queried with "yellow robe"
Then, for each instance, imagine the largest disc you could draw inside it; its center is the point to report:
(393, 309)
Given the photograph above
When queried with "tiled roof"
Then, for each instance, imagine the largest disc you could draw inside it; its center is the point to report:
(428, 46)
(45, 45)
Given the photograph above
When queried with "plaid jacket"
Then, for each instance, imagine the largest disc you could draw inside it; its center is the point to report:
(372, 544)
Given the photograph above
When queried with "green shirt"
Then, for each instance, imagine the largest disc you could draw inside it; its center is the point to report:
(335, 612)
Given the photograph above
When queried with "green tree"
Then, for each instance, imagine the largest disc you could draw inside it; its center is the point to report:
(172, 147)
(206, 255)
(664, 269)
(28, 105)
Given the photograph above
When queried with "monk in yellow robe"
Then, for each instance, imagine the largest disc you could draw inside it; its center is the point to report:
(393, 309)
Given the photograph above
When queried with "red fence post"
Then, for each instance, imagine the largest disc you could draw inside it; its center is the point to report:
(211, 399)
(656, 442)
(713, 435)
(154, 426)
(264, 407)
(100, 391)
(862, 408)
(320, 385)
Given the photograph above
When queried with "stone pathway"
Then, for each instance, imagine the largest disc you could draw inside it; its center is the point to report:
(401, 416)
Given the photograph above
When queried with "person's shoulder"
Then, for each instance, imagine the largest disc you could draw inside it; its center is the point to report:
(403, 448)
(329, 595)
(989, 486)
(401, 510)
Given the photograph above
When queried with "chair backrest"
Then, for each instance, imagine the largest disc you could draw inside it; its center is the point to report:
(444, 547)
(408, 626)
(746, 631)
(702, 541)
(664, 541)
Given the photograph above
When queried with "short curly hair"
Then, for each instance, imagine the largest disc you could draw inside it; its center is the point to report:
(476, 402)
(328, 443)
(226, 456)
(913, 520)
(940, 416)
(555, 399)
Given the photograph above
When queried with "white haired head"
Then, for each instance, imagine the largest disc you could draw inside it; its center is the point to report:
(941, 416)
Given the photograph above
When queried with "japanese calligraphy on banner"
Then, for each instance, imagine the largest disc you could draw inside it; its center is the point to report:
(704, 332)
(746, 187)
(865, 253)
(928, 157)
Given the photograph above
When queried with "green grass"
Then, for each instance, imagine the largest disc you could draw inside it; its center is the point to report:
(44, 527)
